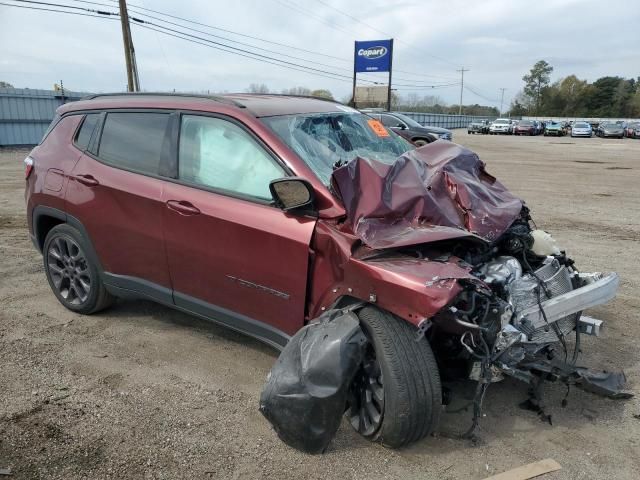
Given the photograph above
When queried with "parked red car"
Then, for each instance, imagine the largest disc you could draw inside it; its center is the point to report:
(526, 127)
(265, 212)
(632, 130)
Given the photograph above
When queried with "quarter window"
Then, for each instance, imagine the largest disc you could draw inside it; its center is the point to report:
(133, 141)
(86, 130)
(219, 154)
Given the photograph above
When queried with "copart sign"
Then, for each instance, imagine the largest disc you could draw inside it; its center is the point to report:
(373, 56)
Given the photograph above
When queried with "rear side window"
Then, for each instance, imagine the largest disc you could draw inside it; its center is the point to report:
(133, 141)
(86, 130)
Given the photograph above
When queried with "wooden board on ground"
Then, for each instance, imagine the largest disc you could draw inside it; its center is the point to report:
(528, 471)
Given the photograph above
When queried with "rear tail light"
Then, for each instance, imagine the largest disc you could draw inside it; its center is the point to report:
(28, 167)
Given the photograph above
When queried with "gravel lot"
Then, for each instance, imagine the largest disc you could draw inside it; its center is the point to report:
(141, 391)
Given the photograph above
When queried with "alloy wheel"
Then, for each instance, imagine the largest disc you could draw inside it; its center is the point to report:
(367, 397)
(69, 270)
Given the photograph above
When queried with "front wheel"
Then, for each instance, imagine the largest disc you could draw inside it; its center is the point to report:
(420, 142)
(396, 397)
(72, 275)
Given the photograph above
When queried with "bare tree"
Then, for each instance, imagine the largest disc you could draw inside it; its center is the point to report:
(304, 91)
(257, 88)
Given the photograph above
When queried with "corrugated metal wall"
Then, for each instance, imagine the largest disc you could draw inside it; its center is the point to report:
(25, 114)
(443, 120)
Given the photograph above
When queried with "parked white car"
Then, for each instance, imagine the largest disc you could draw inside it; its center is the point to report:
(501, 125)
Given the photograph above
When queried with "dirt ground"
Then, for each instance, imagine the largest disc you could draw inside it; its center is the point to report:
(141, 391)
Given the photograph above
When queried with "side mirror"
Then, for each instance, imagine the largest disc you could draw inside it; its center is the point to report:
(293, 193)
(401, 126)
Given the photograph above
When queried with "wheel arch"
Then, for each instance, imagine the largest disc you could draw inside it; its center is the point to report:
(426, 138)
(46, 218)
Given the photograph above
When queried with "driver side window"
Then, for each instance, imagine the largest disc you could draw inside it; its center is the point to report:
(219, 154)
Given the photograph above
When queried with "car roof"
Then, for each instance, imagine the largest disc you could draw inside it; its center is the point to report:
(267, 105)
(260, 105)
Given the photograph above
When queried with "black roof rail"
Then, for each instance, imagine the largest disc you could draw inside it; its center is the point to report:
(216, 98)
(324, 99)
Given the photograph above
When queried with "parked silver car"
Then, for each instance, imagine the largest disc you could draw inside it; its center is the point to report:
(581, 129)
(610, 129)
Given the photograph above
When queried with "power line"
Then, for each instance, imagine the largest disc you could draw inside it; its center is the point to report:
(382, 32)
(59, 11)
(473, 89)
(139, 22)
(100, 12)
(161, 29)
(219, 45)
(435, 87)
(367, 79)
(303, 11)
(355, 19)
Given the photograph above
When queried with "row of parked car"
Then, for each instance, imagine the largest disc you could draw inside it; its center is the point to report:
(507, 126)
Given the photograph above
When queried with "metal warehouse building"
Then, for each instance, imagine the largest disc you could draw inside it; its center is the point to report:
(25, 114)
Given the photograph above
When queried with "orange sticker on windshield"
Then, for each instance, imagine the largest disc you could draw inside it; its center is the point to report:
(378, 128)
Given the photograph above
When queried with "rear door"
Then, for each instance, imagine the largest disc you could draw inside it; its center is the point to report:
(233, 255)
(116, 192)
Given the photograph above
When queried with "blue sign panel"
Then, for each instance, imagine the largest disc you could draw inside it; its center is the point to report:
(373, 56)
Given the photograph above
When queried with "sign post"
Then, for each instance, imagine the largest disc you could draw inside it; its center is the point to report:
(373, 56)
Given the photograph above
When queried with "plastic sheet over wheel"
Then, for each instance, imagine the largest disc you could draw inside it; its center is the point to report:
(306, 391)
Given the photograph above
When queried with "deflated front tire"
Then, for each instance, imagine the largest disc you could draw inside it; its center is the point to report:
(408, 381)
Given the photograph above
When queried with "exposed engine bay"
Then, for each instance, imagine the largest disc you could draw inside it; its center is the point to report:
(518, 319)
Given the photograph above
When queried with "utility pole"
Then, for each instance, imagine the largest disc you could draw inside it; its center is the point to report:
(462, 70)
(501, 99)
(133, 82)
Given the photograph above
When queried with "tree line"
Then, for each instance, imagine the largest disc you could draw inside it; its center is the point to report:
(412, 102)
(610, 96)
(301, 91)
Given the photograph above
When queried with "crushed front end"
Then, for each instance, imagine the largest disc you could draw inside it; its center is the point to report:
(524, 319)
(521, 304)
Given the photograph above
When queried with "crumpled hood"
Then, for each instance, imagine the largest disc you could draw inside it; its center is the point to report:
(436, 192)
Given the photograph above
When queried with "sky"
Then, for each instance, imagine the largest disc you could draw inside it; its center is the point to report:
(497, 41)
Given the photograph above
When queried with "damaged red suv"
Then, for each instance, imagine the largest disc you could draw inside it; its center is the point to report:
(378, 268)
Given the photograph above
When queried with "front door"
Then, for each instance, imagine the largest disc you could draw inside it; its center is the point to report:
(232, 255)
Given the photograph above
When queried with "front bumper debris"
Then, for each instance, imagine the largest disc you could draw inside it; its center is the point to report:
(599, 289)
(603, 383)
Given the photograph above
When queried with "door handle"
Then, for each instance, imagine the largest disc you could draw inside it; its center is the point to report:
(88, 180)
(182, 207)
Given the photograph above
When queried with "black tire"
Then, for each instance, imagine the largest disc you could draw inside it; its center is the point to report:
(409, 378)
(69, 269)
(420, 142)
